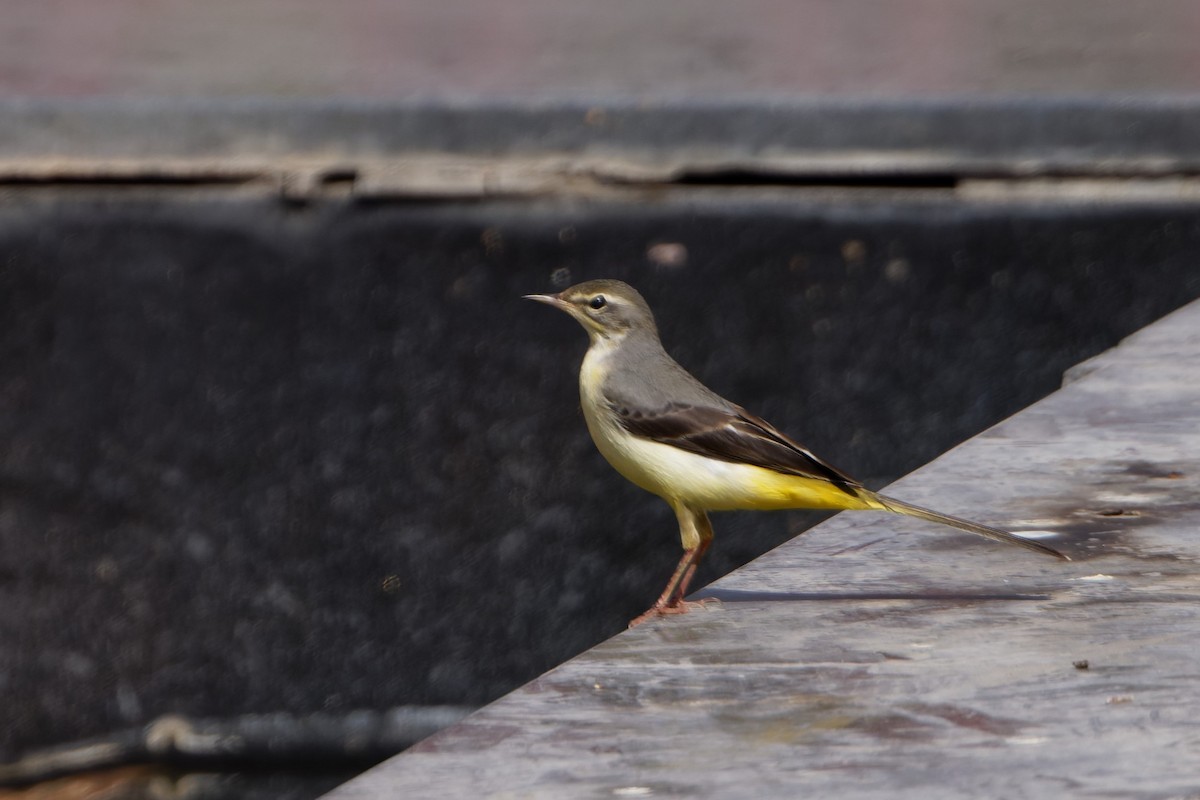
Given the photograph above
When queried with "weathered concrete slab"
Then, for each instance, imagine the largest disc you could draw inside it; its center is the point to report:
(875, 657)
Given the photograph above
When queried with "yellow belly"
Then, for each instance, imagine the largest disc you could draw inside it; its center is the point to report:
(706, 483)
(712, 485)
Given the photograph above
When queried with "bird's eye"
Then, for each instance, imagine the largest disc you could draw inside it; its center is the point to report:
(598, 302)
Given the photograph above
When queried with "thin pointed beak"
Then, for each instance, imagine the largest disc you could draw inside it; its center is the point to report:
(550, 300)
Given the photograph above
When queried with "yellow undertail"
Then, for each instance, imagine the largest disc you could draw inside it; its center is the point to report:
(773, 490)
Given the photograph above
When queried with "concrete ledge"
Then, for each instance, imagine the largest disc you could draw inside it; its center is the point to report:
(875, 657)
(622, 139)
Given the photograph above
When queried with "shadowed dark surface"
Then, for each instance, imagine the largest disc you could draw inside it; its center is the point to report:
(260, 457)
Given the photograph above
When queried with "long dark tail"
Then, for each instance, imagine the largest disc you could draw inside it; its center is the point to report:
(900, 507)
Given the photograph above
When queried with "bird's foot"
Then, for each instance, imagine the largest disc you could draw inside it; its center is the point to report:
(670, 609)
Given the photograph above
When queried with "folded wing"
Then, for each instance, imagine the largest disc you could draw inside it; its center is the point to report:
(733, 435)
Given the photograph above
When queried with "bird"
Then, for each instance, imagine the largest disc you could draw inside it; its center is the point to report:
(669, 434)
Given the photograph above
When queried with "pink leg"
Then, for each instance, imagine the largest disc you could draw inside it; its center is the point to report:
(671, 600)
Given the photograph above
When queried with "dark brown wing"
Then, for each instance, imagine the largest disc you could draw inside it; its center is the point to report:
(733, 435)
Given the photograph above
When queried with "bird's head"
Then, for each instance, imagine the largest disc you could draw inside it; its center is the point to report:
(606, 309)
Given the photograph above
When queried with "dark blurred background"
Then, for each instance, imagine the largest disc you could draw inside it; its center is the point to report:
(277, 432)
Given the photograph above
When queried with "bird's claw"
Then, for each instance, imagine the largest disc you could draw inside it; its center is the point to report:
(670, 609)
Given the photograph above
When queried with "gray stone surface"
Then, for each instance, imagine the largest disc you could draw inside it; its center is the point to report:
(874, 658)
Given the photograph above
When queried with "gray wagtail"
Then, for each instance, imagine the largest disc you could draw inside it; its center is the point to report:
(669, 434)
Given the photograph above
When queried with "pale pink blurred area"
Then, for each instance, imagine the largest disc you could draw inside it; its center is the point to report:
(376, 49)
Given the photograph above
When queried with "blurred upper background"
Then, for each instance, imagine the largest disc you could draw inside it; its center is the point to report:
(386, 50)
